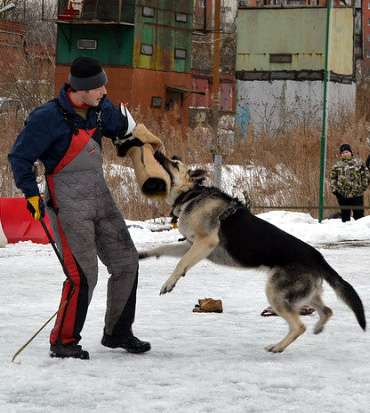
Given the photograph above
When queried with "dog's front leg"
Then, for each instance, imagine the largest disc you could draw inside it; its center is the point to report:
(177, 249)
(200, 249)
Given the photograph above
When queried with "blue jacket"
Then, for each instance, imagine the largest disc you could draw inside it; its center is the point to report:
(47, 135)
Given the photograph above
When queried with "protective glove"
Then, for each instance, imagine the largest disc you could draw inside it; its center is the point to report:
(36, 206)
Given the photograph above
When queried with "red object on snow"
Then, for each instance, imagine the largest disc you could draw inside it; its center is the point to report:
(18, 224)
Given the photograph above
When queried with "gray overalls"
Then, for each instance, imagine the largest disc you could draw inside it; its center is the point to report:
(87, 224)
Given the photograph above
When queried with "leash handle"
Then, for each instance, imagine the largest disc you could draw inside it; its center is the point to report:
(35, 334)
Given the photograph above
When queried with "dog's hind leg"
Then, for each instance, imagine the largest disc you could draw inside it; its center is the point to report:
(285, 310)
(200, 249)
(177, 249)
(296, 329)
(324, 313)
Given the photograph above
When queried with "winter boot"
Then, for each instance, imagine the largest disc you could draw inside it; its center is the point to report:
(68, 350)
(131, 343)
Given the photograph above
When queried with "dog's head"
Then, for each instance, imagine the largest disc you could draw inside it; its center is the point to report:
(182, 177)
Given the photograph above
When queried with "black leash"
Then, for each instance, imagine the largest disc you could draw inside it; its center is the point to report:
(57, 253)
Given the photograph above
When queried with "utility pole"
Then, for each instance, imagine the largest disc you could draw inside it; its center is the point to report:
(215, 110)
(324, 129)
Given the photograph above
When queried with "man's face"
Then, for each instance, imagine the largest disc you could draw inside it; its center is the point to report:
(346, 154)
(92, 97)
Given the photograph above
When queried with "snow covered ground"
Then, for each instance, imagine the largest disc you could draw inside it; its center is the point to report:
(199, 362)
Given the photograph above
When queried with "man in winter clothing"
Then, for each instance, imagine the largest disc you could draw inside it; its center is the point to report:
(349, 179)
(65, 134)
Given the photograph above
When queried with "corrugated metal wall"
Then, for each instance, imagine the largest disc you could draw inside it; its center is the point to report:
(114, 43)
(164, 34)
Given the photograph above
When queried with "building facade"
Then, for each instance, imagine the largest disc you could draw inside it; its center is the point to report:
(145, 47)
(279, 71)
(202, 58)
(366, 38)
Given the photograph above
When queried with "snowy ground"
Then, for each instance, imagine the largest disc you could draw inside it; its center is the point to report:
(199, 362)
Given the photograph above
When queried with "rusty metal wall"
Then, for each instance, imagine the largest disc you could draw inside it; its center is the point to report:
(138, 86)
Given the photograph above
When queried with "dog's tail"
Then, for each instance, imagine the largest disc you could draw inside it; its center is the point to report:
(346, 292)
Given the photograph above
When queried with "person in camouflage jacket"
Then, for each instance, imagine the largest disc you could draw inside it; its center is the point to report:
(349, 179)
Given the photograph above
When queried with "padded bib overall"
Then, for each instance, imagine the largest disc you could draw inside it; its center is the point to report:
(87, 224)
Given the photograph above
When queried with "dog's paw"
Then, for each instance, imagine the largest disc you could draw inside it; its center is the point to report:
(168, 286)
(143, 255)
(318, 328)
(274, 348)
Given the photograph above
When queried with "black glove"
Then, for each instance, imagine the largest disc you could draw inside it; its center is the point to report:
(123, 144)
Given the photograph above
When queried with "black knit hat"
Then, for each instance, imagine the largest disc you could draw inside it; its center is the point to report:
(86, 74)
(345, 147)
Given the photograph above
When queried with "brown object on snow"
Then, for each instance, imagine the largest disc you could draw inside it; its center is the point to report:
(208, 305)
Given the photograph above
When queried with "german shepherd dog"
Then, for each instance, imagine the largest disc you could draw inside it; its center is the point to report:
(220, 228)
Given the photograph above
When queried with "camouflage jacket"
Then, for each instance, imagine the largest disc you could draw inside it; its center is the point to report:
(349, 177)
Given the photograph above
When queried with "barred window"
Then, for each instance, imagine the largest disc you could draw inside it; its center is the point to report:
(146, 49)
(87, 44)
(180, 53)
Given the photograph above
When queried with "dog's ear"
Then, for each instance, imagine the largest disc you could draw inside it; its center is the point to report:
(198, 175)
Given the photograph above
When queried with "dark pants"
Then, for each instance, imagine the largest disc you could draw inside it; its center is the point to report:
(357, 201)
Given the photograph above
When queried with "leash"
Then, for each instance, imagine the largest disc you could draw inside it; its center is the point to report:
(65, 302)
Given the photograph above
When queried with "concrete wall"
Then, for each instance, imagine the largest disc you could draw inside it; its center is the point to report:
(277, 105)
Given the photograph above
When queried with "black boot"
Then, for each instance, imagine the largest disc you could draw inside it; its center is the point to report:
(68, 350)
(131, 343)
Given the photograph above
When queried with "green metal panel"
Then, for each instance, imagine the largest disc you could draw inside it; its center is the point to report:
(114, 43)
(128, 11)
(146, 37)
(167, 34)
(300, 32)
(181, 43)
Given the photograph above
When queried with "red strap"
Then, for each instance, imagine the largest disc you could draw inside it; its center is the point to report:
(78, 142)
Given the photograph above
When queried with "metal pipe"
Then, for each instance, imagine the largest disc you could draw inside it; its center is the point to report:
(324, 129)
(217, 153)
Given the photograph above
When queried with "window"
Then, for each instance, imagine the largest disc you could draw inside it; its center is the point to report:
(368, 5)
(146, 49)
(368, 53)
(280, 58)
(87, 44)
(148, 11)
(156, 101)
(368, 37)
(180, 53)
(181, 17)
(368, 22)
